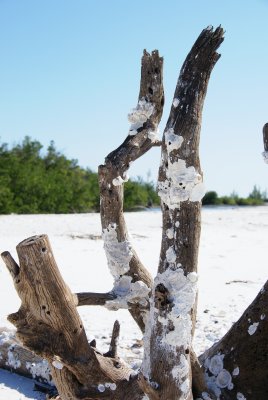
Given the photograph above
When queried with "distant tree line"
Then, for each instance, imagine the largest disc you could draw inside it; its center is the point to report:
(255, 198)
(34, 181)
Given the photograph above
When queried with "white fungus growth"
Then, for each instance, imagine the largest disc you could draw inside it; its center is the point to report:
(57, 364)
(182, 293)
(216, 364)
(236, 371)
(240, 396)
(139, 115)
(170, 233)
(111, 386)
(5, 337)
(40, 369)
(262, 317)
(119, 180)
(182, 184)
(185, 386)
(173, 141)
(224, 379)
(118, 254)
(171, 255)
(176, 102)
(13, 360)
(265, 156)
(252, 328)
(101, 388)
(153, 135)
(179, 372)
(128, 292)
(177, 224)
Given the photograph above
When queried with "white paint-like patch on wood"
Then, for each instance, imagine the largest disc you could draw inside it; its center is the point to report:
(128, 292)
(170, 233)
(182, 293)
(13, 360)
(57, 364)
(172, 141)
(101, 388)
(111, 385)
(176, 102)
(252, 328)
(40, 369)
(153, 135)
(139, 115)
(118, 254)
(236, 371)
(224, 379)
(182, 184)
(119, 180)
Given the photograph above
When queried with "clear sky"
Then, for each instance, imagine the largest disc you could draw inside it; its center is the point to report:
(70, 71)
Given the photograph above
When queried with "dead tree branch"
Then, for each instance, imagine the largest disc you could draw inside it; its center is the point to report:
(172, 316)
(122, 258)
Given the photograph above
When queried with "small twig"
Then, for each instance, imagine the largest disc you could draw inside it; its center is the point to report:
(94, 299)
(114, 341)
(11, 264)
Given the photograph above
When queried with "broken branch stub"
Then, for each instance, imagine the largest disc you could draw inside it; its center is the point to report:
(168, 337)
(49, 325)
(122, 258)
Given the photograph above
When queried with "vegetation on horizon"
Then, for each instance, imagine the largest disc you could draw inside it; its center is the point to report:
(33, 181)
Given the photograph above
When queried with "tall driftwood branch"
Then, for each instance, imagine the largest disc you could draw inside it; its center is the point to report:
(238, 363)
(142, 137)
(166, 364)
(49, 325)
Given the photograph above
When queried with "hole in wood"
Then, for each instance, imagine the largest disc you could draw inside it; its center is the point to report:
(150, 90)
(44, 249)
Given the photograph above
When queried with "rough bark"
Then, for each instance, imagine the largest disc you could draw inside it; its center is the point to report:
(48, 324)
(265, 137)
(172, 316)
(238, 363)
(113, 173)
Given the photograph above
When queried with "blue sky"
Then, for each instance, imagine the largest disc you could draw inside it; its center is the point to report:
(69, 72)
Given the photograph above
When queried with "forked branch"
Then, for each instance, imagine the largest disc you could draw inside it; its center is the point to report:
(123, 261)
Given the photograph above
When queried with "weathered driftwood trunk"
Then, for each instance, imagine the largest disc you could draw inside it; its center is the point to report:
(168, 337)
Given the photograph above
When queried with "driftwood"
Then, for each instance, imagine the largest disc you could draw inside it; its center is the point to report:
(48, 323)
